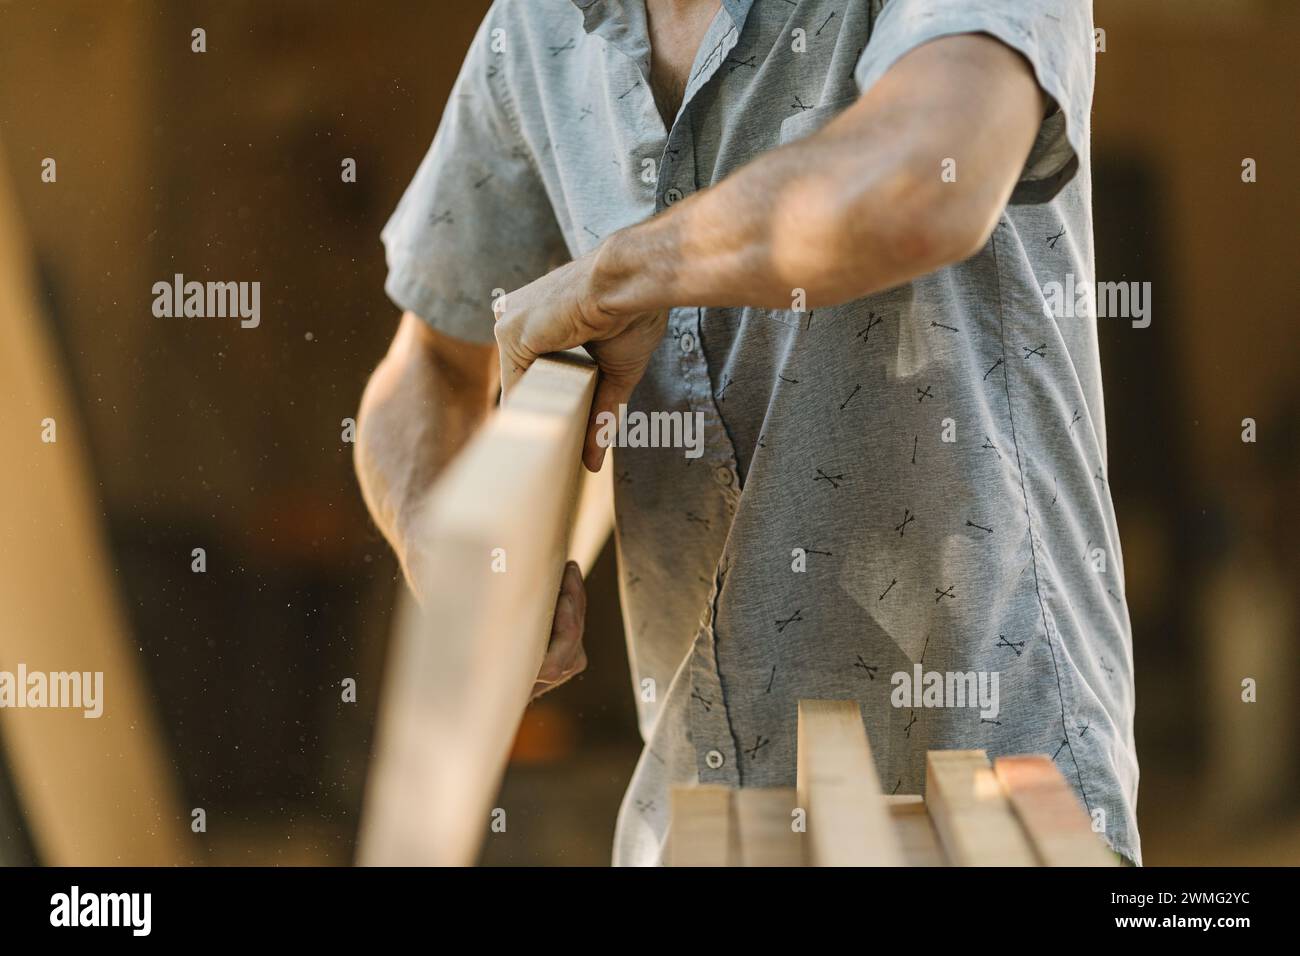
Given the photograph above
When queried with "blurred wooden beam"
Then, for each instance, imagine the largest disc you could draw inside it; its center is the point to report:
(1055, 821)
(702, 831)
(93, 791)
(765, 827)
(916, 835)
(458, 681)
(848, 824)
(975, 822)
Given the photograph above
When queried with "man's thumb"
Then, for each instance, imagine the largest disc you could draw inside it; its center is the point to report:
(613, 389)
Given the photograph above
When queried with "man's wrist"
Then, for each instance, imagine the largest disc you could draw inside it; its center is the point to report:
(622, 283)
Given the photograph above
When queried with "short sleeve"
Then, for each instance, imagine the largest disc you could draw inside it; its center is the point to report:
(476, 217)
(1055, 36)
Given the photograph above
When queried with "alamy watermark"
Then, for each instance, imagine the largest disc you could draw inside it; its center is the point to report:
(74, 908)
(651, 430)
(209, 300)
(1102, 300)
(67, 690)
(947, 689)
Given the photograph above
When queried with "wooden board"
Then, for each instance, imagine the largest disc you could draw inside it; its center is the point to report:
(458, 683)
(594, 521)
(93, 791)
(848, 824)
(974, 820)
(702, 831)
(765, 827)
(915, 832)
(1057, 824)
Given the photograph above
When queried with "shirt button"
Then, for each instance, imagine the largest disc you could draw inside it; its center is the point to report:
(714, 759)
(672, 195)
(687, 342)
(722, 475)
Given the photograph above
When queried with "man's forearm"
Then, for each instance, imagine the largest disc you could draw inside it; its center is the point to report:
(783, 223)
(859, 207)
(420, 406)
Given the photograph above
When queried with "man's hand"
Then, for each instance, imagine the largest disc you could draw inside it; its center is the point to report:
(564, 309)
(565, 656)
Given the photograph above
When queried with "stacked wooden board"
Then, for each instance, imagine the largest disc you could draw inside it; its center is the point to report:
(1014, 811)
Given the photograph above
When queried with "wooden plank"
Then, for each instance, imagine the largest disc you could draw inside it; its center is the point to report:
(765, 827)
(1057, 824)
(702, 831)
(457, 683)
(838, 786)
(972, 815)
(594, 520)
(915, 832)
(95, 791)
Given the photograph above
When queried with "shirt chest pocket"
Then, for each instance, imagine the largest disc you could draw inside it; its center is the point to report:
(796, 127)
(806, 122)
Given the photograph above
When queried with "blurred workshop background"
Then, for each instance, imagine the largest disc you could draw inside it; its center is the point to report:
(176, 436)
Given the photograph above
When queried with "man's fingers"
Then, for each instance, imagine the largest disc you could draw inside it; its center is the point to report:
(537, 320)
(520, 345)
(571, 584)
(542, 686)
(509, 331)
(565, 655)
(514, 360)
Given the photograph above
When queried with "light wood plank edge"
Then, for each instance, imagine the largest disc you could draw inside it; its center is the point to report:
(971, 814)
(848, 824)
(593, 522)
(768, 826)
(1056, 823)
(915, 830)
(457, 681)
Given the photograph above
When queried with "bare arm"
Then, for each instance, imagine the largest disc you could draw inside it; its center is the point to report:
(422, 403)
(858, 207)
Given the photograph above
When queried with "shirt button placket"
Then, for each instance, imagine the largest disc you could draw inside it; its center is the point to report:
(710, 727)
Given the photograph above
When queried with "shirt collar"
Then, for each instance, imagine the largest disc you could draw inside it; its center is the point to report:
(617, 18)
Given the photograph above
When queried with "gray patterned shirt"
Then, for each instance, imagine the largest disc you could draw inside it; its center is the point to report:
(913, 483)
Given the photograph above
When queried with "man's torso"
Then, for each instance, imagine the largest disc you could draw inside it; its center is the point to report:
(914, 482)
